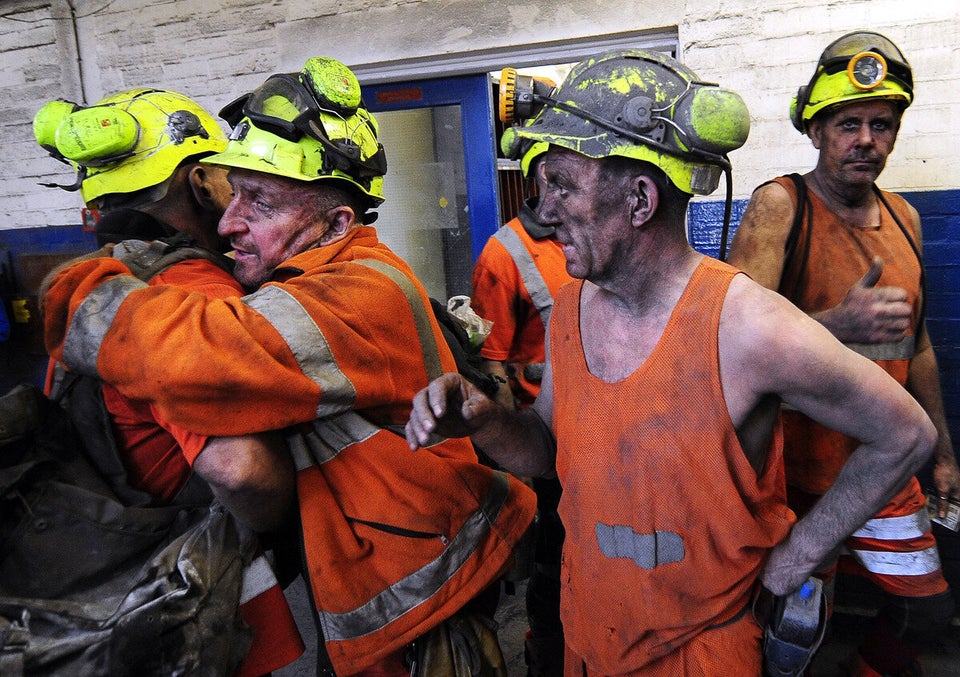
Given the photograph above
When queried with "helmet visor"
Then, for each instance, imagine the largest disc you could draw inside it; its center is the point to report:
(286, 107)
(278, 106)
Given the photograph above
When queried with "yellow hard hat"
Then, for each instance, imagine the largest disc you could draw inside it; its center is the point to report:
(645, 106)
(127, 141)
(857, 66)
(308, 126)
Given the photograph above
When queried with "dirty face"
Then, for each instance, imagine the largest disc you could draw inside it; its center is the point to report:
(855, 141)
(269, 220)
(589, 214)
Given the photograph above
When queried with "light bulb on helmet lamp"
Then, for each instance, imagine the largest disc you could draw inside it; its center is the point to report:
(867, 70)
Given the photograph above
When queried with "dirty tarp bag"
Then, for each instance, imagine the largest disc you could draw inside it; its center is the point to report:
(464, 645)
(92, 585)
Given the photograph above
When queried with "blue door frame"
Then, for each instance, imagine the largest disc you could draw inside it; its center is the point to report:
(473, 94)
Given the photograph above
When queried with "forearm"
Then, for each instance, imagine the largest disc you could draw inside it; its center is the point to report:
(832, 320)
(923, 382)
(872, 475)
(504, 395)
(519, 441)
(252, 476)
(208, 364)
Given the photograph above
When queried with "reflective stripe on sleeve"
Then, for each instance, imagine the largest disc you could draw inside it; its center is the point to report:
(901, 528)
(904, 349)
(532, 279)
(915, 563)
(412, 590)
(328, 438)
(428, 342)
(258, 577)
(93, 318)
(309, 347)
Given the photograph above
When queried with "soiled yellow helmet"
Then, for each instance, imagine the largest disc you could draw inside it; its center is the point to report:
(641, 105)
(856, 66)
(308, 126)
(127, 141)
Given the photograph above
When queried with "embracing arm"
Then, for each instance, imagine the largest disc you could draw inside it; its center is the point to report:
(208, 364)
(252, 475)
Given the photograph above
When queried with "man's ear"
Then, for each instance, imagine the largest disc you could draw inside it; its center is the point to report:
(341, 220)
(209, 187)
(644, 200)
(814, 130)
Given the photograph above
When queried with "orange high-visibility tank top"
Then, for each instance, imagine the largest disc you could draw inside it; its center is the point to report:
(667, 524)
(830, 257)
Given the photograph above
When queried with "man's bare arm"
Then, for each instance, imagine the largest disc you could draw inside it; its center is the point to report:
(521, 442)
(758, 245)
(498, 370)
(769, 347)
(923, 382)
(252, 475)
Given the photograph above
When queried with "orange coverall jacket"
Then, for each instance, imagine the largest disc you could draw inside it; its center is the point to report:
(396, 541)
(159, 456)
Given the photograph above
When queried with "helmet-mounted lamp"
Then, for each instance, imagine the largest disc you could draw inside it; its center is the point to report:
(522, 96)
(867, 70)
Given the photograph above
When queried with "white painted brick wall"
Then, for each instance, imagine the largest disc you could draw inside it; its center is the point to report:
(214, 51)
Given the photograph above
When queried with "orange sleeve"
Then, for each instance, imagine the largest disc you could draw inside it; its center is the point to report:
(495, 297)
(66, 291)
(215, 367)
(211, 280)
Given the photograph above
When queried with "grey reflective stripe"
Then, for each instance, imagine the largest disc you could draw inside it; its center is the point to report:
(258, 577)
(428, 342)
(904, 349)
(413, 590)
(646, 550)
(896, 528)
(309, 347)
(916, 563)
(432, 440)
(328, 438)
(93, 318)
(529, 273)
(15, 639)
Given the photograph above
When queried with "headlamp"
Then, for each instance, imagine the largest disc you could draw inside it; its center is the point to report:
(521, 95)
(868, 52)
(859, 64)
(867, 70)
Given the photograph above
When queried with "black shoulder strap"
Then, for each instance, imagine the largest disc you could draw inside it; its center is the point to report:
(916, 251)
(801, 187)
(790, 246)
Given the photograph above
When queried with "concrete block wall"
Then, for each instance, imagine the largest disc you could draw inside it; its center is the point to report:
(216, 50)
